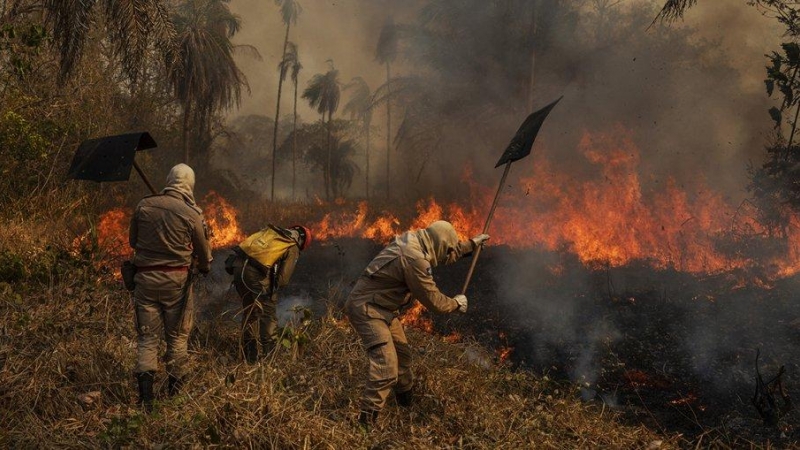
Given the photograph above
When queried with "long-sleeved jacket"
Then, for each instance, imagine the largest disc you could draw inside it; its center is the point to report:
(166, 231)
(402, 272)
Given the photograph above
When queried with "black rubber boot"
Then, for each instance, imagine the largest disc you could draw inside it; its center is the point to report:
(405, 399)
(145, 381)
(367, 419)
(174, 385)
(267, 348)
(250, 349)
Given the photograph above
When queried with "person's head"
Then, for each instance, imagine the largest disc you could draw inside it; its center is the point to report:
(444, 240)
(181, 180)
(303, 236)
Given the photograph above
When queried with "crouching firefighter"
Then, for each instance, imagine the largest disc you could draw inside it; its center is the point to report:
(400, 273)
(260, 265)
(167, 232)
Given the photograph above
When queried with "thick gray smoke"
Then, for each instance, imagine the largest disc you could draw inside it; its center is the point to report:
(691, 95)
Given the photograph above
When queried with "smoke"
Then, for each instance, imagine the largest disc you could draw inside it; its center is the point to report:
(692, 93)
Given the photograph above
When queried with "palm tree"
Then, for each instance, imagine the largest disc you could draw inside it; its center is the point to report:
(323, 93)
(386, 53)
(202, 71)
(131, 27)
(291, 63)
(360, 108)
(290, 9)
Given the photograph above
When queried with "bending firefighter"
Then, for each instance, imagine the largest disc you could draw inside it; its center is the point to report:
(167, 231)
(400, 273)
(260, 265)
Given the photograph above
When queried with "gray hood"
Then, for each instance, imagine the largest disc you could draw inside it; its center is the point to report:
(181, 180)
(440, 240)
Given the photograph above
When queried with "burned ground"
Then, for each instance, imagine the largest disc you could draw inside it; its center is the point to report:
(670, 350)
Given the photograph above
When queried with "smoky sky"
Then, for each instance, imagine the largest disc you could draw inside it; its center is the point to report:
(692, 93)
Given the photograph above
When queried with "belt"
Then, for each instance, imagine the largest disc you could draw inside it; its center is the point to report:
(162, 269)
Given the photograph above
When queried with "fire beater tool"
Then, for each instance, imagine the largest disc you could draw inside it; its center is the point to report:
(519, 148)
(110, 158)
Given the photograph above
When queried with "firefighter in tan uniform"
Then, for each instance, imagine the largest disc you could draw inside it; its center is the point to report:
(167, 231)
(261, 264)
(399, 274)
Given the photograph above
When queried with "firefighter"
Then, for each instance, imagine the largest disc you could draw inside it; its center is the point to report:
(260, 265)
(400, 273)
(167, 231)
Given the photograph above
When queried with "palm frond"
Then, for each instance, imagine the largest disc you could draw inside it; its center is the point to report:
(360, 102)
(290, 9)
(386, 50)
(673, 10)
(203, 72)
(70, 21)
(132, 27)
(323, 92)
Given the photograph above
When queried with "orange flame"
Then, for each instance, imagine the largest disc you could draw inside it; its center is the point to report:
(112, 233)
(503, 353)
(608, 218)
(413, 318)
(222, 221)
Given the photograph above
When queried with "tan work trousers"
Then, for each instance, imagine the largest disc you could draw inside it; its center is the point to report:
(387, 350)
(259, 304)
(163, 306)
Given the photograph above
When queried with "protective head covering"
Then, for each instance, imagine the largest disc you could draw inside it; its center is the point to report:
(443, 243)
(304, 236)
(181, 180)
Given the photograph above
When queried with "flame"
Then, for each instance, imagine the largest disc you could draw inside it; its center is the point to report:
(222, 221)
(413, 318)
(607, 217)
(112, 233)
(503, 353)
(113, 225)
(453, 338)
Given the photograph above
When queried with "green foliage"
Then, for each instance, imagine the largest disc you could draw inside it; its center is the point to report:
(25, 148)
(122, 430)
(295, 335)
(20, 44)
(774, 185)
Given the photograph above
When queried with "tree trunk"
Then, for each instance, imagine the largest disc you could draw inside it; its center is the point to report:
(324, 168)
(278, 110)
(328, 163)
(388, 129)
(367, 162)
(185, 132)
(532, 69)
(294, 142)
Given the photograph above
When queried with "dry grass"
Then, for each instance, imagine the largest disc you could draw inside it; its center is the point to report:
(67, 349)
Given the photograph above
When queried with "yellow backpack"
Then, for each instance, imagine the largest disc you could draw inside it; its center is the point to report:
(268, 245)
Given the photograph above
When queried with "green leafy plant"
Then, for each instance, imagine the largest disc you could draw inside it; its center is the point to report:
(294, 336)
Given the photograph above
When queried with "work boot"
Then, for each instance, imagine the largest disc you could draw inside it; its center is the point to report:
(145, 381)
(267, 348)
(250, 349)
(405, 399)
(174, 385)
(367, 419)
